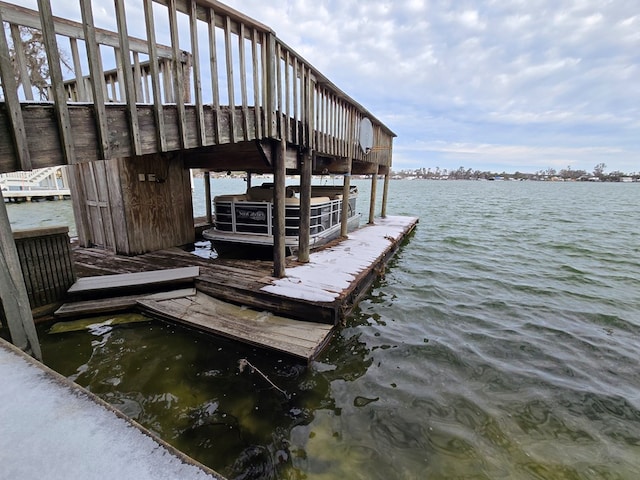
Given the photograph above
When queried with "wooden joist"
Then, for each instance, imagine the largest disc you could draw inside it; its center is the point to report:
(301, 339)
(155, 278)
(116, 304)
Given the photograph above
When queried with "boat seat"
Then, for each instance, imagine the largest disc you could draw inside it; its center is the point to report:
(261, 194)
(230, 198)
(314, 200)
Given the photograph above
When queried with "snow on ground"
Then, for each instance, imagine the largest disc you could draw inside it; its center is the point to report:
(330, 271)
(53, 430)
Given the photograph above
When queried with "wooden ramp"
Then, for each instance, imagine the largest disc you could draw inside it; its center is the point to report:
(298, 338)
(151, 279)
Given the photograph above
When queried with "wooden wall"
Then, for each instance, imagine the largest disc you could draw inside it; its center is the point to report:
(47, 266)
(134, 206)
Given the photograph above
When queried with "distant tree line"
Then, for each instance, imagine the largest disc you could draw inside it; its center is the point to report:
(565, 174)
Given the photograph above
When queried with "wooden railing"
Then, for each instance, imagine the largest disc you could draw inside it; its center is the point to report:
(241, 83)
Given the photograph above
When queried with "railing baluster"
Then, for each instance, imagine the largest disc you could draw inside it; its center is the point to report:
(178, 81)
(287, 94)
(197, 82)
(230, 84)
(126, 79)
(77, 67)
(97, 78)
(296, 101)
(55, 72)
(256, 83)
(214, 76)
(10, 90)
(22, 62)
(243, 82)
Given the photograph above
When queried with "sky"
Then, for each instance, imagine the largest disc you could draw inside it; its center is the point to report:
(498, 85)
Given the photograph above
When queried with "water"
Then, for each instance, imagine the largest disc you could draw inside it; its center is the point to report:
(501, 344)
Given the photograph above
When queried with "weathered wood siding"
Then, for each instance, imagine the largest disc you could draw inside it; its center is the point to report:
(132, 207)
(47, 266)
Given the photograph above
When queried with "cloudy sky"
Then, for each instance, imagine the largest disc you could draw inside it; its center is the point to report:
(486, 84)
(500, 85)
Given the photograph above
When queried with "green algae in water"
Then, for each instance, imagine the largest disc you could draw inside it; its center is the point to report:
(97, 322)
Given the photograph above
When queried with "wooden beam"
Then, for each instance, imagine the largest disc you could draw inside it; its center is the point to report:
(279, 177)
(344, 214)
(385, 195)
(304, 232)
(207, 196)
(105, 283)
(372, 201)
(14, 110)
(13, 292)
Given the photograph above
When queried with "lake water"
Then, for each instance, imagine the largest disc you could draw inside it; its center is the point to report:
(503, 343)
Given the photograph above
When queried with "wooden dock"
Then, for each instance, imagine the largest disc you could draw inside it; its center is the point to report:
(53, 428)
(303, 307)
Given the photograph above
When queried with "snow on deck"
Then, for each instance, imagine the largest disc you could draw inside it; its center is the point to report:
(332, 270)
(55, 430)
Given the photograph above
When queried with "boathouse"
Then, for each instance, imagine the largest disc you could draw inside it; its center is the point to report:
(196, 85)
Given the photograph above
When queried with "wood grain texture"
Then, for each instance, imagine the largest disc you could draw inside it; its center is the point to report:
(300, 339)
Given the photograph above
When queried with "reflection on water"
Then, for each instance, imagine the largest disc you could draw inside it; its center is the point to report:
(502, 344)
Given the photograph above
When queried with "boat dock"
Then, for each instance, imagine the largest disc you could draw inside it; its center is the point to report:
(294, 315)
(54, 429)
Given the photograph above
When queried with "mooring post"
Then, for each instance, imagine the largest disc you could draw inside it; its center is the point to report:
(385, 193)
(279, 176)
(372, 201)
(346, 188)
(207, 196)
(304, 232)
(13, 293)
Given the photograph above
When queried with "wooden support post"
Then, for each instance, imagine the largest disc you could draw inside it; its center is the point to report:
(207, 196)
(344, 214)
(304, 231)
(279, 248)
(372, 201)
(13, 293)
(385, 194)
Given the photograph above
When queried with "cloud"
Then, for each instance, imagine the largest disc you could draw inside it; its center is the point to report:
(542, 75)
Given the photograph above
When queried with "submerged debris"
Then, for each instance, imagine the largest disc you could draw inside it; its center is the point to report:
(243, 363)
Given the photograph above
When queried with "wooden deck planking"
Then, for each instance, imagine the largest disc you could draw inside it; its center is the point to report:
(301, 339)
(241, 281)
(104, 283)
(116, 304)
